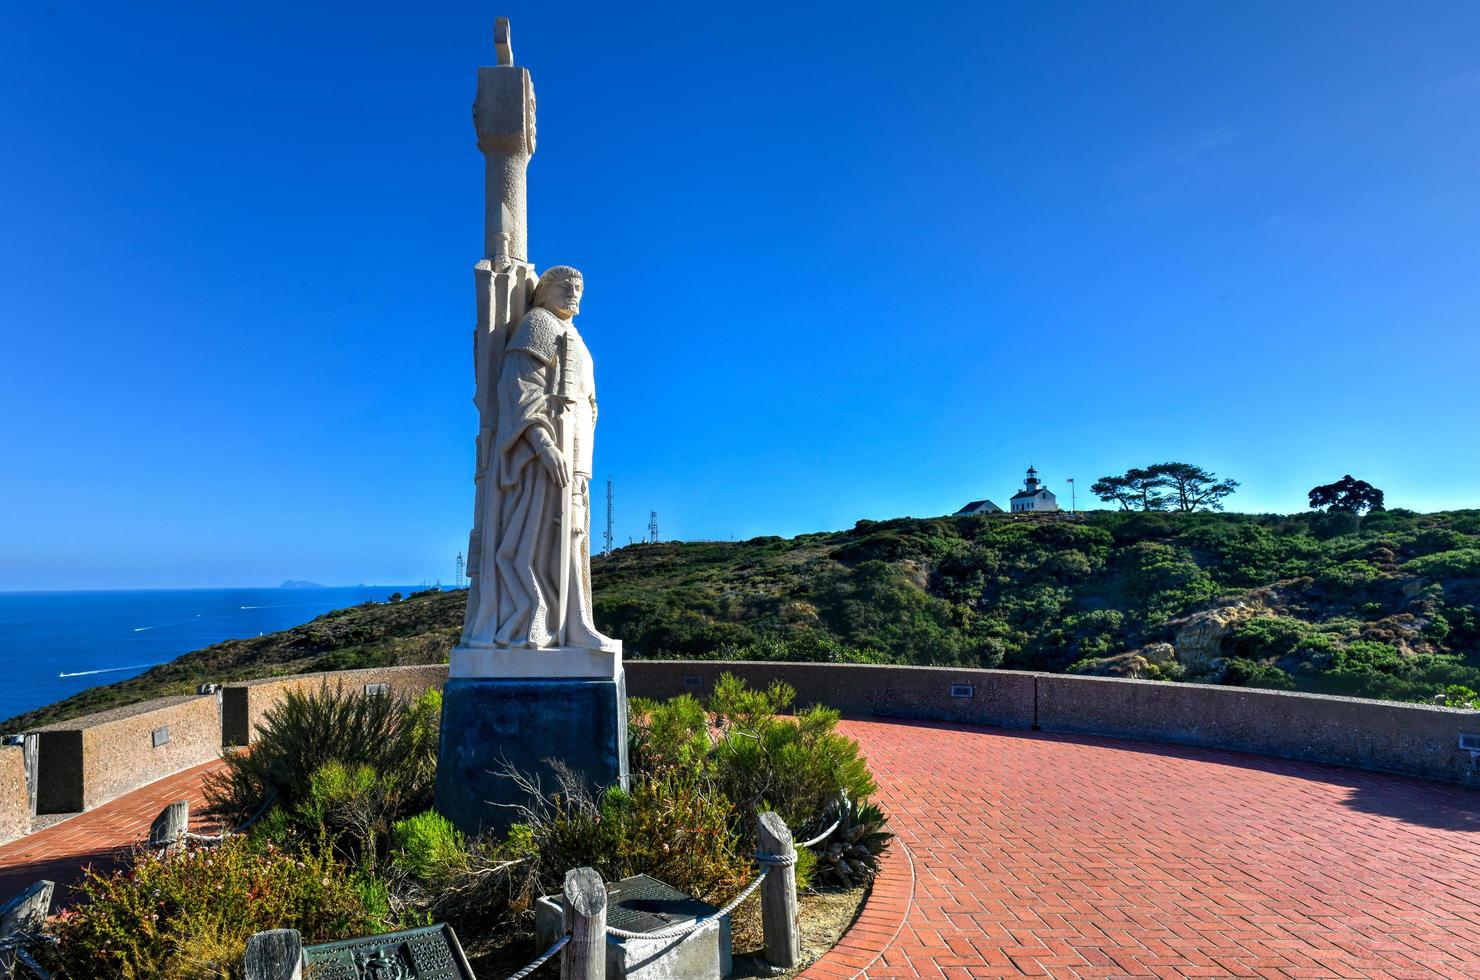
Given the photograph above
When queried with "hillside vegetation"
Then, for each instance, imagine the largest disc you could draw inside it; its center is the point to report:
(1384, 606)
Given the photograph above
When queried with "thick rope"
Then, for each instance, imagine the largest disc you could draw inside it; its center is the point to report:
(542, 958)
(687, 927)
(822, 836)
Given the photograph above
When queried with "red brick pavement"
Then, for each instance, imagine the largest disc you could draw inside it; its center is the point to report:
(1056, 856)
(102, 835)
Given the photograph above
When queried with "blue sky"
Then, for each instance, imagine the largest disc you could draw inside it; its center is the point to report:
(842, 261)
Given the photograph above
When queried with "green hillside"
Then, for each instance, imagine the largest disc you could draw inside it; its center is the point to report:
(1384, 606)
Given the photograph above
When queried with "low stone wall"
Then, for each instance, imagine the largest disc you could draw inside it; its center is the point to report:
(1388, 736)
(986, 697)
(93, 759)
(245, 704)
(15, 801)
(96, 758)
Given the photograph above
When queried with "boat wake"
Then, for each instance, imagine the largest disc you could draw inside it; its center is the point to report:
(104, 670)
(160, 626)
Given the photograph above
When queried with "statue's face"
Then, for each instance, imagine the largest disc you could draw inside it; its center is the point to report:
(563, 296)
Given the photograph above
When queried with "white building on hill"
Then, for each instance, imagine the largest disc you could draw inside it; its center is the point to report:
(1034, 496)
(978, 507)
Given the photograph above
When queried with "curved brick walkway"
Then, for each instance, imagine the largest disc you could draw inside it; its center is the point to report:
(101, 836)
(1043, 855)
(1056, 856)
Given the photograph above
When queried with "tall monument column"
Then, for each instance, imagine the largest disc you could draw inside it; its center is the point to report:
(532, 681)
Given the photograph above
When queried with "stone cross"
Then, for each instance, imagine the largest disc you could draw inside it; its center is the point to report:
(503, 115)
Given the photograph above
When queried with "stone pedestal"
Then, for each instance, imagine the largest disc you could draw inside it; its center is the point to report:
(513, 717)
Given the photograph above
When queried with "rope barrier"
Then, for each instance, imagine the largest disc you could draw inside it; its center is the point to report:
(542, 958)
(822, 836)
(766, 861)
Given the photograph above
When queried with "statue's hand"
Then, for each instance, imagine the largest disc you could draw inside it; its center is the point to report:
(555, 465)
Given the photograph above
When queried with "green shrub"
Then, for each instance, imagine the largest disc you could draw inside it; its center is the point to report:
(678, 828)
(795, 766)
(1459, 696)
(673, 825)
(189, 914)
(395, 739)
(428, 846)
(1461, 563)
(1269, 637)
(667, 734)
(1248, 673)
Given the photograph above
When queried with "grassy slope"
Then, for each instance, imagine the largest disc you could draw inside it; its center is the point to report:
(1388, 607)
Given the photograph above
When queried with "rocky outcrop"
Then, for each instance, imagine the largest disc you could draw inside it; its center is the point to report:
(1200, 638)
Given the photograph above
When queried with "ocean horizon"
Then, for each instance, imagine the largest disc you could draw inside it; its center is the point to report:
(54, 644)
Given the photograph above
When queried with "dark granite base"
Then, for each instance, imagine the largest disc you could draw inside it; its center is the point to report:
(487, 723)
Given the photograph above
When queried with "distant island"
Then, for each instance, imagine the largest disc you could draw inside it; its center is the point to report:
(298, 583)
(1382, 606)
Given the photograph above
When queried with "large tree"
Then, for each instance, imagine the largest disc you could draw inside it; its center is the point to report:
(1174, 486)
(1347, 496)
(1138, 489)
(1192, 487)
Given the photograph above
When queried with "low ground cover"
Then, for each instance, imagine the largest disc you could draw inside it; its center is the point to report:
(343, 842)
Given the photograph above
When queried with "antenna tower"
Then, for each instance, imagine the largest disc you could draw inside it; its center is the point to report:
(608, 549)
(459, 569)
(653, 528)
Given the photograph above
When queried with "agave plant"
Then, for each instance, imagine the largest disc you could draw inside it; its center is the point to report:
(850, 854)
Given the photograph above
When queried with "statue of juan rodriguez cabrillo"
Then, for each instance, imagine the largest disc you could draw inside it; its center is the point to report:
(532, 679)
(537, 514)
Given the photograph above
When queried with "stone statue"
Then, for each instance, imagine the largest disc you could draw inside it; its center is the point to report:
(541, 504)
(532, 680)
(529, 555)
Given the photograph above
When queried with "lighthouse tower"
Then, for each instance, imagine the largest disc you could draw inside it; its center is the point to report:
(1034, 496)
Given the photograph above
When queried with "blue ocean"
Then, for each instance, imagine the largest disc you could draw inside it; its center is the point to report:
(54, 644)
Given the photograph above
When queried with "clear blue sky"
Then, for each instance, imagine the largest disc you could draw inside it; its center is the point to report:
(842, 262)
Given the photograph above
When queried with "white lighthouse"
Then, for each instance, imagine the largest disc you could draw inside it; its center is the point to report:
(1034, 497)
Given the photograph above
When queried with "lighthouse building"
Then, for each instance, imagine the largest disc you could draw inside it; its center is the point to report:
(1034, 496)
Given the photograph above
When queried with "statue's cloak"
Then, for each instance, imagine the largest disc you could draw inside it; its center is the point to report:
(518, 590)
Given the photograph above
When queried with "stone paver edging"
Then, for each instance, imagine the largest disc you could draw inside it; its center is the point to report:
(878, 923)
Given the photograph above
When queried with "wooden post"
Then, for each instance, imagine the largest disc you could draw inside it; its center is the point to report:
(584, 957)
(171, 824)
(779, 893)
(276, 954)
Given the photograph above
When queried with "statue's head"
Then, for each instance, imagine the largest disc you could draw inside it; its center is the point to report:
(559, 291)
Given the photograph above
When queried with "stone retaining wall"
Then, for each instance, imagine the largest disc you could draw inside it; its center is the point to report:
(1387, 736)
(15, 801)
(96, 758)
(93, 759)
(985, 697)
(245, 704)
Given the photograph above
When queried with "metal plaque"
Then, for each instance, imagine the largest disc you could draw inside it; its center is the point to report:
(645, 904)
(161, 736)
(429, 953)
